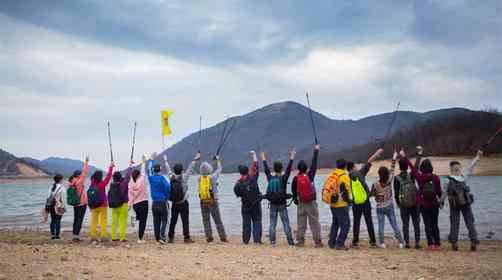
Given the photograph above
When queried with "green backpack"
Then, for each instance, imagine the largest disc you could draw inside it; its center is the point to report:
(72, 196)
(358, 191)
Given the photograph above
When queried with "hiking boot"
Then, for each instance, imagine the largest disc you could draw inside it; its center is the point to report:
(188, 241)
(342, 248)
(407, 246)
(418, 247)
(373, 245)
(318, 245)
(224, 240)
(454, 246)
(209, 240)
(75, 239)
(474, 246)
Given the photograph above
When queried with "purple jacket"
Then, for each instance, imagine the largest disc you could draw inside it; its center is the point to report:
(124, 185)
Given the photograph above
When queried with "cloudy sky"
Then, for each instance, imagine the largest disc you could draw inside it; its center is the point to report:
(66, 67)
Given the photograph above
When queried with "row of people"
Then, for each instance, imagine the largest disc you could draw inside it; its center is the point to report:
(416, 190)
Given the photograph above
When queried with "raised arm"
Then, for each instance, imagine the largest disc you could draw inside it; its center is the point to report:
(81, 179)
(265, 166)
(149, 167)
(254, 173)
(108, 177)
(294, 190)
(470, 168)
(219, 168)
(287, 173)
(168, 167)
(190, 169)
(367, 166)
(313, 165)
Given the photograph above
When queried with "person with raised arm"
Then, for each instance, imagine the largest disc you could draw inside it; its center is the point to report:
(118, 201)
(209, 196)
(98, 202)
(77, 197)
(304, 196)
(460, 200)
(277, 195)
(179, 197)
(160, 190)
(246, 188)
(138, 198)
(362, 204)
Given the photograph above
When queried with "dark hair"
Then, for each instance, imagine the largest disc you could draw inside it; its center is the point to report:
(350, 165)
(426, 167)
(403, 164)
(178, 168)
(302, 166)
(117, 176)
(383, 174)
(156, 168)
(135, 174)
(243, 170)
(341, 163)
(277, 167)
(453, 163)
(76, 173)
(97, 176)
(70, 178)
(57, 179)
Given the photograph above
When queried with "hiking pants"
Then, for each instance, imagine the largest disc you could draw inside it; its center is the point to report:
(141, 210)
(55, 224)
(340, 227)
(282, 211)
(180, 209)
(160, 216)
(119, 216)
(208, 210)
(251, 221)
(78, 219)
(358, 210)
(391, 216)
(455, 223)
(430, 216)
(99, 215)
(414, 213)
(308, 212)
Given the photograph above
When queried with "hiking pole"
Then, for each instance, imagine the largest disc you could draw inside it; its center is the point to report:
(133, 141)
(226, 136)
(391, 125)
(200, 132)
(110, 141)
(493, 137)
(221, 137)
(312, 120)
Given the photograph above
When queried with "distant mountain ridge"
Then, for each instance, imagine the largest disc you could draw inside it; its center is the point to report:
(63, 166)
(11, 166)
(277, 127)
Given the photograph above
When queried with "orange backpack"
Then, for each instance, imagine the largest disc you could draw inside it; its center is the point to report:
(330, 188)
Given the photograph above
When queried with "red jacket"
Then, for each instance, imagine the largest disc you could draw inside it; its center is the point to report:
(421, 179)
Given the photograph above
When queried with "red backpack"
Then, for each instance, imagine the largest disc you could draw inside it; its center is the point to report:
(306, 192)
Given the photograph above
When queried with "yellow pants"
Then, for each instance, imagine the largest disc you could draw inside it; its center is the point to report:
(119, 215)
(99, 214)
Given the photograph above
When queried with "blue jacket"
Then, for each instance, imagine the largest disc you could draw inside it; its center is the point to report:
(160, 188)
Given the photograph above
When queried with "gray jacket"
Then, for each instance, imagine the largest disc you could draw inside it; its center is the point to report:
(206, 169)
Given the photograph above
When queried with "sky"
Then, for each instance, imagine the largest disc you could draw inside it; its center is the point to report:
(68, 67)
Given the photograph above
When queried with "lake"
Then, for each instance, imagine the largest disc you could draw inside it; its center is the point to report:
(22, 200)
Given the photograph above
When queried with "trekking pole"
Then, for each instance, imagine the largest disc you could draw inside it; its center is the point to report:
(312, 120)
(200, 132)
(133, 141)
(110, 141)
(227, 135)
(390, 125)
(492, 138)
(221, 137)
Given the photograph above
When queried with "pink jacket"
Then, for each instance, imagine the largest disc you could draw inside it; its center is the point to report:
(78, 184)
(137, 190)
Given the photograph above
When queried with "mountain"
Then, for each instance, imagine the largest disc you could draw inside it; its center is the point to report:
(63, 166)
(277, 127)
(11, 166)
(462, 133)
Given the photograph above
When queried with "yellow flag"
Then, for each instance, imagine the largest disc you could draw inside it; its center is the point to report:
(165, 115)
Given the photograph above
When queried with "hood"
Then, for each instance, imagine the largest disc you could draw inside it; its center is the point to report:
(458, 178)
(205, 169)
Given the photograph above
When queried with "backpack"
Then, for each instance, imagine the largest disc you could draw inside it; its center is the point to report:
(358, 191)
(458, 194)
(407, 191)
(429, 192)
(115, 195)
(51, 200)
(72, 196)
(93, 197)
(330, 193)
(177, 193)
(248, 194)
(205, 189)
(306, 191)
(274, 191)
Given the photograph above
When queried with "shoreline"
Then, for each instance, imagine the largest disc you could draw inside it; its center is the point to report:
(31, 255)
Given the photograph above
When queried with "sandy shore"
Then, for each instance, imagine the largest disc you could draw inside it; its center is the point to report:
(30, 255)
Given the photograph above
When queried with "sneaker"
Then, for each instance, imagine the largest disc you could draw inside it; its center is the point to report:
(161, 241)
(454, 246)
(171, 240)
(94, 242)
(431, 248)
(224, 240)
(300, 244)
(75, 239)
(418, 247)
(381, 246)
(258, 243)
(474, 246)
(209, 240)
(57, 238)
(115, 240)
(373, 245)
(53, 237)
(124, 241)
(188, 241)
(437, 247)
(402, 246)
(140, 241)
(318, 245)
(342, 248)
(355, 246)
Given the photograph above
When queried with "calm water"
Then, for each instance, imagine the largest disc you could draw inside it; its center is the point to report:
(21, 203)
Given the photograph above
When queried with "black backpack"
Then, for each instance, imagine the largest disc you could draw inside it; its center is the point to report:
(458, 194)
(115, 195)
(177, 193)
(429, 192)
(249, 195)
(407, 191)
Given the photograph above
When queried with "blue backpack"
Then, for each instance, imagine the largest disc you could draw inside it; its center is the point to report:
(93, 197)
(275, 194)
